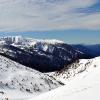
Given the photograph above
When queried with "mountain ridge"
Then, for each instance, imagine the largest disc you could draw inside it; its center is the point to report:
(39, 55)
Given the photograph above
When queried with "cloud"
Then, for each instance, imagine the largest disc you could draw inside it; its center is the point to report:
(38, 15)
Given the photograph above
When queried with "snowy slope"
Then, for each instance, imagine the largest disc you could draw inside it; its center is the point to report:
(77, 68)
(19, 82)
(83, 86)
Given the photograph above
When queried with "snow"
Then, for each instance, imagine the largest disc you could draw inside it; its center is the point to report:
(82, 86)
(78, 69)
(20, 82)
(49, 41)
(45, 45)
(30, 41)
(21, 42)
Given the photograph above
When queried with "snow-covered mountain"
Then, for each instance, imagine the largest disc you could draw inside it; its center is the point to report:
(43, 55)
(82, 82)
(19, 40)
(18, 81)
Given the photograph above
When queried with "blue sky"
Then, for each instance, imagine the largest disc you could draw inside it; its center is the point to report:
(73, 21)
(68, 36)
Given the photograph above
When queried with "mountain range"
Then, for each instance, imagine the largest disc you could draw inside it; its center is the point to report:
(42, 55)
(32, 69)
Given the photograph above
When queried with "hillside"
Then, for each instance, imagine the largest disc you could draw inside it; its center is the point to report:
(18, 81)
(84, 85)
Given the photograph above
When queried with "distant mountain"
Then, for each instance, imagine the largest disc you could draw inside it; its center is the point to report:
(43, 55)
(16, 78)
(91, 50)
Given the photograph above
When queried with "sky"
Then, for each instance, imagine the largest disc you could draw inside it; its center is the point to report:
(73, 21)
